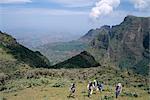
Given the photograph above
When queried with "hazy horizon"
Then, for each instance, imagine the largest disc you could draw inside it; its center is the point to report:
(65, 18)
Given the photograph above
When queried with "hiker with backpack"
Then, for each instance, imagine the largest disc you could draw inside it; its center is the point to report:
(72, 90)
(100, 86)
(95, 85)
(118, 89)
(90, 88)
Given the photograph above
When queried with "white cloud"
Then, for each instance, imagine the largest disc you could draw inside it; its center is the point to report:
(104, 7)
(141, 4)
(14, 1)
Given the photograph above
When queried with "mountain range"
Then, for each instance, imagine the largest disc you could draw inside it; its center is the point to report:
(125, 46)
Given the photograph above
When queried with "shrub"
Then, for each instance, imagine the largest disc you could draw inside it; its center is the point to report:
(3, 78)
(58, 85)
(3, 98)
(107, 98)
(130, 94)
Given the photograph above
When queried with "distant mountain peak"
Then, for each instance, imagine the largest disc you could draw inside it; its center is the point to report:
(93, 33)
(106, 27)
(82, 60)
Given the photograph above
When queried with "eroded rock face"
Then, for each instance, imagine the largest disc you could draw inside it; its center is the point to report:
(127, 43)
(131, 38)
(88, 37)
(132, 31)
(101, 39)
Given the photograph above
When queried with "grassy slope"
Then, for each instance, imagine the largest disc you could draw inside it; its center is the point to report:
(52, 84)
(13, 55)
(49, 92)
(7, 62)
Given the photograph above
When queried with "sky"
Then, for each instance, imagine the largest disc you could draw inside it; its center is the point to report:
(65, 17)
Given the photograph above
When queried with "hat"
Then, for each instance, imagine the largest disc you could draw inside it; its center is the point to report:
(119, 84)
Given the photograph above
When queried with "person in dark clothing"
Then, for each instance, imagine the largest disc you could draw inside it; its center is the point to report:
(72, 89)
(95, 85)
(90, 88)
(100, 86)
(118, 89)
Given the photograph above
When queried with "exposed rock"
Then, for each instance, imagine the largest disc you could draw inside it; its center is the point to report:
(126, 44)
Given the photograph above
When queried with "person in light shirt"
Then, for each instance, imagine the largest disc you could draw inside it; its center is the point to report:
(118, 89)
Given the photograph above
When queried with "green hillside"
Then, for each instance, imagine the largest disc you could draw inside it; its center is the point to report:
(82, 60)
(52, 84)
(13, 55)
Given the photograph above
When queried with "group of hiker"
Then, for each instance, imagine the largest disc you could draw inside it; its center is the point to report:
(95, 86)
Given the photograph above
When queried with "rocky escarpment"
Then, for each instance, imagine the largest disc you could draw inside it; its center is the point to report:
(126, 44)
